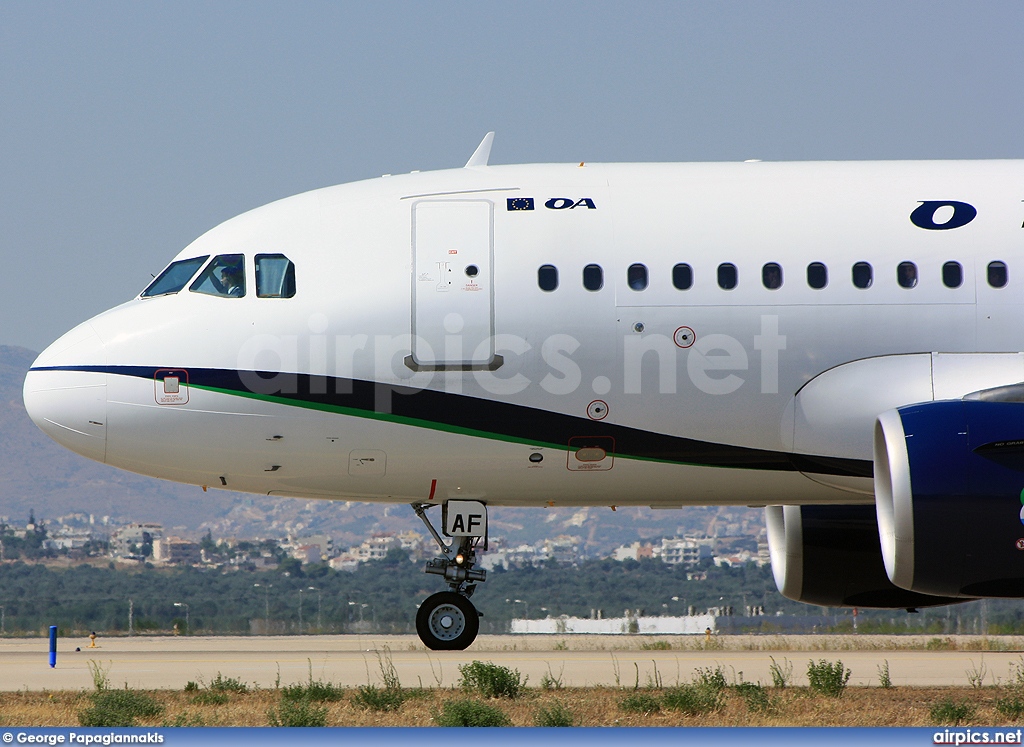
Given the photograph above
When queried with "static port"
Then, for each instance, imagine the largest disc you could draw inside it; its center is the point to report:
(472, 271)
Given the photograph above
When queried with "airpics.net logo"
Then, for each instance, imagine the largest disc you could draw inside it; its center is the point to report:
(646, 361)
(977, 736)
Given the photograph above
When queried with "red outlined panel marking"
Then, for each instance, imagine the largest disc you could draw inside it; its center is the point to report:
(684, 337)
(591, 454)
(170, 386)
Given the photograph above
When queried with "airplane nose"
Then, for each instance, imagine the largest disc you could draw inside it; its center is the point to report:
(65, 392)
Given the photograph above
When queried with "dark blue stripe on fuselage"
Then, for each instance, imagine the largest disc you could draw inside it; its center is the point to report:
(489, 416)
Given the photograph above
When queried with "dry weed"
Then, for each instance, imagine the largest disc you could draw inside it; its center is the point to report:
(860, 706)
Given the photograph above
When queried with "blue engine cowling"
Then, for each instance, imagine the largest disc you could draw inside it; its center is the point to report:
(948, 492)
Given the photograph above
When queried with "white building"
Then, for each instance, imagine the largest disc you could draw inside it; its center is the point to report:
(375, 548)
(323, 541)
(635, 551)
(69, 538)
(134, 536)
(676, 550)
(630, 625)
(176, 550)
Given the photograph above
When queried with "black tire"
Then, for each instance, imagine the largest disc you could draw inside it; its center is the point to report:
(447, 621)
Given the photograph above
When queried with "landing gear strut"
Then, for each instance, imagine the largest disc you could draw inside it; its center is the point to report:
(448, 621)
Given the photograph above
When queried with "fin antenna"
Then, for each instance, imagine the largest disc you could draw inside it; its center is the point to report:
(482, 153)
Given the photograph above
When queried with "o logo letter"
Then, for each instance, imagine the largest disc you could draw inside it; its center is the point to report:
(924, 215)
(559, 203)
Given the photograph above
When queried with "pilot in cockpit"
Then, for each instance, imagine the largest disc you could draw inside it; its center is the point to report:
(232, 281)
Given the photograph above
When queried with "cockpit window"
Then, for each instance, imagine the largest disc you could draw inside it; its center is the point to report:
(174, 278)
(224, 276)
(275, 276)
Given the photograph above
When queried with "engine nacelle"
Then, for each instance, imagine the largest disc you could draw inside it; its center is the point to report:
(830, 555)
(948, 491)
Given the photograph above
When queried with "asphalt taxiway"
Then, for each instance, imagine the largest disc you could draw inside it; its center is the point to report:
(352, 660)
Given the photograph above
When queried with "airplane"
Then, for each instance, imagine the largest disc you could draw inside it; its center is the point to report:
(838, 342)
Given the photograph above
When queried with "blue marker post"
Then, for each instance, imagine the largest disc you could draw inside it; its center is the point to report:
(53, 646)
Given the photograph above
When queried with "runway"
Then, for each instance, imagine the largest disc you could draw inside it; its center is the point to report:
(153, 662)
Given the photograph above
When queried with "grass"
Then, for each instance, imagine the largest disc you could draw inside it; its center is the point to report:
(491, 680)
(827, 678)
(222, 684)
(470, 713)
(388, 697)
(118, 708)
(99, 674)
(953, 712)
(756, 697)
(693, 700)
(209, 697)
(313, 690)
(976, 674)
(550, 681)
(1011, 707)
(601, 706)
(557, 714)
(884, 680)
(640, 702)
(297, 713)
(710, 679)
(782, 674)
(376, 698)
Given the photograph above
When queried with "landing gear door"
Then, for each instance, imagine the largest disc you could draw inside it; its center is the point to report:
(452, 288)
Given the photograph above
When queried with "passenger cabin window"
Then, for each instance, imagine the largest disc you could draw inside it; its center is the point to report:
(906, 274)
(636, 277)
(175, 277)
(593, 277)
(998, 274)
(275, 276)
(771, 276)
(224, 276)
(952, 275)
(547, 277)
(817, 275)
(728, 276)
(863, 275)
(682, 276)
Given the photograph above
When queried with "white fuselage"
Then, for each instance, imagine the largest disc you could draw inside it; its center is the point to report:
(420, 358)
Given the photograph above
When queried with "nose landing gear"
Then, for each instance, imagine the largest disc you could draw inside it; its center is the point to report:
(448, 621)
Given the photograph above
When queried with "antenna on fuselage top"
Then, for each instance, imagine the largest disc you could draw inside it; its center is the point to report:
(482, 153)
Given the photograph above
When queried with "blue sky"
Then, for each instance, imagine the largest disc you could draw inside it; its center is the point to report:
(129, 128)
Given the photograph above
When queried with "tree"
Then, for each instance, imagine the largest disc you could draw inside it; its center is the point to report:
(291, 567)
(207, 544)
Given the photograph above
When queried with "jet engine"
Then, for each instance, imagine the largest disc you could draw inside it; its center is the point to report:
(830, 555)
(948, 489)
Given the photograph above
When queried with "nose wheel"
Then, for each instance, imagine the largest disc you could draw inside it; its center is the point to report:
(447, 621)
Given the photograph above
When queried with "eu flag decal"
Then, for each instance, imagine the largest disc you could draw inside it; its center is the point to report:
(520, 203)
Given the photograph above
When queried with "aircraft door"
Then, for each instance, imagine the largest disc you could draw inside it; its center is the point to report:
(452, 286)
